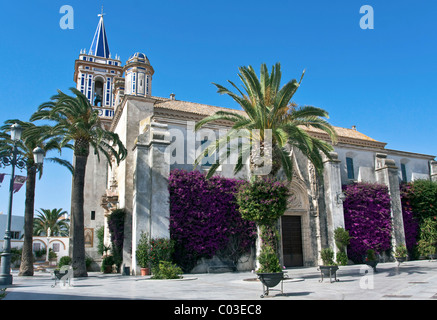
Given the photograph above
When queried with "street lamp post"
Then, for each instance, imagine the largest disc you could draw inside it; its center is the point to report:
(5, 270)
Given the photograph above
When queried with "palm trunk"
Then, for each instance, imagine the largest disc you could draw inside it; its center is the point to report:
(77, 217)
(26, 267)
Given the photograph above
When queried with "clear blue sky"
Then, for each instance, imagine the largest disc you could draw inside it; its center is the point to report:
(381, 80)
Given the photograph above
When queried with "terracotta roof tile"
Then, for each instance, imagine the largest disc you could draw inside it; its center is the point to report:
(345, 135)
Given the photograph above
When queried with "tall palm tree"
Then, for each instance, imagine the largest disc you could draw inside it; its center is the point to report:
(268, 109)
(75, 120)
(32, 136)
(54, 219)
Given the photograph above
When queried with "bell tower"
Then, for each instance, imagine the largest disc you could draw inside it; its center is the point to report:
(95, 72)
(138, 75)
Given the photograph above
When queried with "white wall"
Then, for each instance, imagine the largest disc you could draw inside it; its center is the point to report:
(417, 165)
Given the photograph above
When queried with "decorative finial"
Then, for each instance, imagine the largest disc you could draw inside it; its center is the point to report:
(101, 14)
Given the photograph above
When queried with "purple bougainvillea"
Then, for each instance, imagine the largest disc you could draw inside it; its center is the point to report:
(367, 218)
(204, 218)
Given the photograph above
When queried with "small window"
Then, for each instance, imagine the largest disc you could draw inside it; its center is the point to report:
(93, 215)
(350, 168)
(15, 235)
(403, 172)
(56, 247)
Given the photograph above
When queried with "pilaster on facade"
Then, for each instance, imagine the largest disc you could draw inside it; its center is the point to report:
(151, 211)
(333, 197)
(433, 170)
(387, 174)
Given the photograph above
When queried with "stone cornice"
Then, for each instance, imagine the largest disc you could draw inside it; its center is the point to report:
(93, 64)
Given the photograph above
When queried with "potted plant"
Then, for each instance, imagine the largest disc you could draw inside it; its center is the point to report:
(329, 267)
(371, 259)
(401, 254)
(107, 264)
(264, 201)
(342, 240)
(270, 273)
(143, 254)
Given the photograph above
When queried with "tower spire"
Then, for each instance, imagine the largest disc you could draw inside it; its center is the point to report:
(99, 46)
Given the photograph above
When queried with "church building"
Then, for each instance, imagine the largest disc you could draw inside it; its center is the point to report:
(158, 133)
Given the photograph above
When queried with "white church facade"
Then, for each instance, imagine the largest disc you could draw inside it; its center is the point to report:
(149, 127)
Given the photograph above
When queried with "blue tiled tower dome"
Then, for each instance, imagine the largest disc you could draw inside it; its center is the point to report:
(138, 75)
(138, 56)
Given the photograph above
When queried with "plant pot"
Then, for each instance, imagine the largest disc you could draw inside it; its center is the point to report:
(270, 280)
(328, 271)
(372, 263)
(145, 271)
(400, 260)
(107, 269)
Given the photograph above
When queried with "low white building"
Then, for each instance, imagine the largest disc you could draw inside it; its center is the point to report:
(17, 230)
(59, 245)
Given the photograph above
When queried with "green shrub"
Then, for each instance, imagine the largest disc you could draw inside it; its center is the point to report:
(142, 252)
(401, 251)
(166, 270)
(423, 198)
(88, 262)
(100, 237)
(370, 256)
(16, 255)
(268, 260)
(161, 249)
(342, 238)
(327, 257)
(426, 246)
(107, 264)
(64, 261)
(263, 201)
(341, 258)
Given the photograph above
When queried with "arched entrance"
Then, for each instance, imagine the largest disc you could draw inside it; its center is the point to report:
(295, 228)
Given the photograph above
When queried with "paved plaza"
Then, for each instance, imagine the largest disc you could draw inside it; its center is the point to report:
(413, 280)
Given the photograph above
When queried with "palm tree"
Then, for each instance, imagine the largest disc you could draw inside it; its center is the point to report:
(75, 120)
(272, 125)
(32, 136)
(53, 219)
(268, 109)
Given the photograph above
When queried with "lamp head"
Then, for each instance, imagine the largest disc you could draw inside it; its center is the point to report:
(38, 155)
(16, 131)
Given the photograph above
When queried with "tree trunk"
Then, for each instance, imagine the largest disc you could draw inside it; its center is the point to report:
(26, 267)
(77, 217)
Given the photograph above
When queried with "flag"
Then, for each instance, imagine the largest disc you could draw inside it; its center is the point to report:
(18, 183)
(2, 176)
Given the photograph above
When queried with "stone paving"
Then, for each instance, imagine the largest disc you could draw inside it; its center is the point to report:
(413, 280)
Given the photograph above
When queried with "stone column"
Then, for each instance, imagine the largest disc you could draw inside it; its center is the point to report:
(387, 173)
(433, 170)
(333, 197)
(151, 210)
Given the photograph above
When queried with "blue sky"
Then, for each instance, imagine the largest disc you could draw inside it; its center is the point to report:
(381, 80)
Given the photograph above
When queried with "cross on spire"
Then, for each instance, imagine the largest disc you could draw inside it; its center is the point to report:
(101, 13)
(99, 46)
